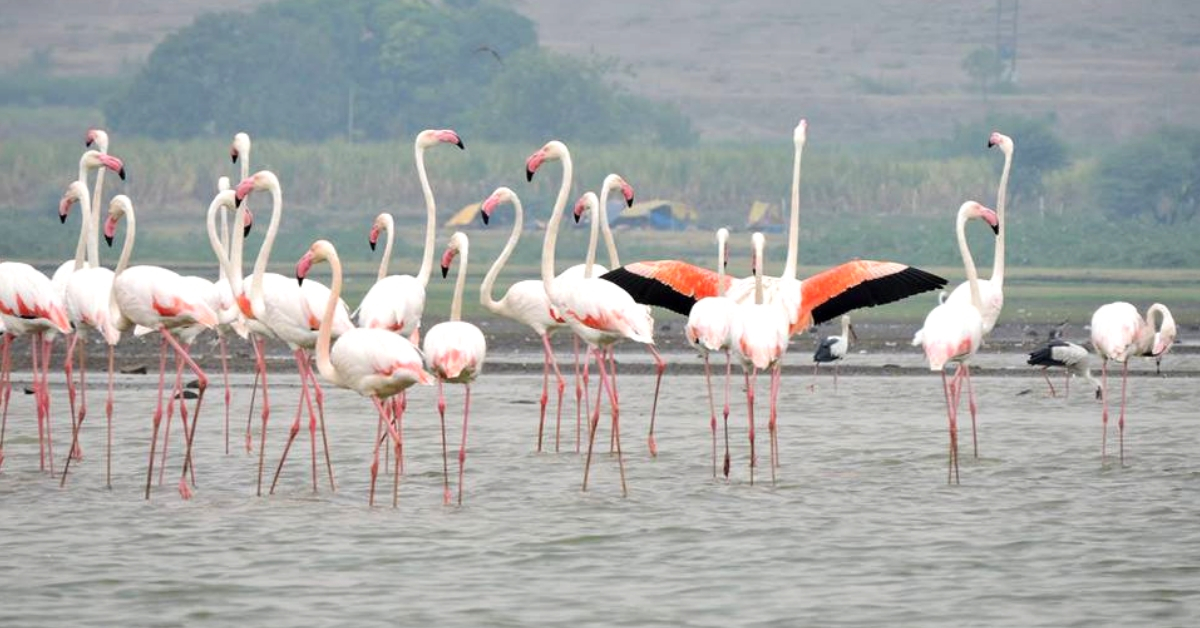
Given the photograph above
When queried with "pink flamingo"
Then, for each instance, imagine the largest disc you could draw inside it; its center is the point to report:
(454, 352)
(375, 363)
(708, 330)
(758, 331)
(157, 298)
(525, 302)
(600, 312)
(991, 291)
(953, 330)
(289, 311)
(29, 305)
(1119, 333)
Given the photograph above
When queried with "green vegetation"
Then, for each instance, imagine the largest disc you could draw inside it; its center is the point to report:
(1153, 178)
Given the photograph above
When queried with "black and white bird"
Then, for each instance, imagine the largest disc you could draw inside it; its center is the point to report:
(834, 348)
(1067, 355)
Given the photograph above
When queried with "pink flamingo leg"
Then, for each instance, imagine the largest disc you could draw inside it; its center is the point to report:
(725, 409)
(228, 390)
(202, 384)
(383, 420)
(1121, 419)
(561, 385)
(952, 423)
(593, 419)
(75, 452)
(5, 388)
(398, 406)
(47, 345)
(441, 406)
(108, 412)
(258, 368)
(545, 398)
(319, 395)
(176, 393)
(659, 367)
(579, 396)
(37, 398)
(462, 447)
(772, 426)
(260, 356)
(712, 412)
(158, 413)
(77, 449)
(751, 380)
(1104, 411)
(375, 462)
(295, 429)
(69, 375)
(607, 384)
(971, 405)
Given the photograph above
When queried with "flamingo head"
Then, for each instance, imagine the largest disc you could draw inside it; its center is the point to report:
(98, 137)
(430, 137)
(247, 222)
(1165, 336)
(500, 195)
(800, 135)
(382, 222)
(1003, 141)
(723, 243)
(261, 180)
(585, 202)
(972, 209)
(241, 144)
(617, 181)
(320, 251)
(96, 159)
(118, 207)
(74, 192)
(553, 149)
(457, 244)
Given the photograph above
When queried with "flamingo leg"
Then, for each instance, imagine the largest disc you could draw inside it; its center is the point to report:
(75, 453)
(1046, 375)
(609, 383)
(228, 391)
(952, 423)
(295, 429)
(69, 375)
(561, 386)
(77, 449)
(176, 393)
(253, 394)
(397, 465)
(545, 398)
(587, 411)
(158, 412)
(578, 395)
(260, 358)
(391, 428)
(398, 406)
(34, 354)
(660, 366)
(202, 380)
(751, 380)
(772, 425)
(5, 388)
(319, 395)
(725, 410)
(1104, 411)
(108, 412)
(712, 412)
(47, 345)
(441, 405)
(462, 447)
(593, 420)
(1121, 419)
(375, 461)
(971, 406)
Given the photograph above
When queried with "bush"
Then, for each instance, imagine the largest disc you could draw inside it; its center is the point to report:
(1155, 177)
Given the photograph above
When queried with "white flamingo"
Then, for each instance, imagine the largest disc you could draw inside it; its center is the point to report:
(454, 352)
(707, 330)
(953, 330)
(599, 311)
(1119, 333)
(375, 363)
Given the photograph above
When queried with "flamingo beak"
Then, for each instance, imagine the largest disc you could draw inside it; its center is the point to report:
(445, 271)
(486, 217)
(996, 228)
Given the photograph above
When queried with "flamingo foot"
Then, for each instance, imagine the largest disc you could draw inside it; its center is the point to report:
(249, 442)
(446, 497)
(185, 491)
(726, 467)
(653, 446)
(77, 453)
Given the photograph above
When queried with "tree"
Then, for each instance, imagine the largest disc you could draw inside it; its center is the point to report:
(985, 68)
(1038, 149)
(1157, 176)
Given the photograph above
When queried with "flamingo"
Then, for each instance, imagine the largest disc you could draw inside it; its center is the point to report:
(834, 348)
(288, 310)
(1119, 333)
(1075, 359)
(375, 363)
(677, 285)
(525, 302)
(454, 352)
(229, 316)
(758, 331)
(953, 330)
(157, 298)
(991, 291)
(707, 330)
(29, 305)
(239, 153)
(600, 312)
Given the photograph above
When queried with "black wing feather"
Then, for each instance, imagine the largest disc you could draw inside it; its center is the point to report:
(650, 291)
(887, 289)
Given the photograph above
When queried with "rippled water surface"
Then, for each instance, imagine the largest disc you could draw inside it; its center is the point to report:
(861, 528)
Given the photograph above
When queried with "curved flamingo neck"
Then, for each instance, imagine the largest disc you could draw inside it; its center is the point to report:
(611, 182)
(960, 227)
(264, 253)
(85, 247)
(460, 280)
(1001, 201)
(589, 261)
(388, 225)
(789, 266)
(236, 247)
(223, 241)
(430, 215)
(560, 202)
(325, 331)
(218, 205)
(127, 247)
(93, 244)
(485, 289)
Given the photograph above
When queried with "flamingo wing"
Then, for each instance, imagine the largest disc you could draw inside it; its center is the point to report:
(671, 284)
(857, 284)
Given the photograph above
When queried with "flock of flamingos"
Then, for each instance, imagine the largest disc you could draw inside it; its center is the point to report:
(751, 318)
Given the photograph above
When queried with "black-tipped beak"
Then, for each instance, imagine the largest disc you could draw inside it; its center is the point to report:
(371, 243)
(88, 143)
(121, 173)
(233, 158)
(991, 143)
(62, 218)
(996, 229)
(528, 175)
(576, 218)
(246, 229)
(629, 202)
(460, 144)
(486, 218)
(445, 271)
(237, 200)
(1099, 394)
(108, 239)
(300, 280)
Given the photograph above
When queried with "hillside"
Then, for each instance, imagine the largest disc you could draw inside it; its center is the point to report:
(866, 70)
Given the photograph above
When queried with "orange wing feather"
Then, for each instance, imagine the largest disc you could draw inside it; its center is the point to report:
(857, 284)
(671, 284)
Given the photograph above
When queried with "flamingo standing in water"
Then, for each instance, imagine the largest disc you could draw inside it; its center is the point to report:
(157, 298)
(991, 291)
(454, 351)
(525, 302)
(600, 312)
(1119, 333)
(758, 331)
(708, 330)
(289, 311)
(953, 330)
(375, 363)
(833, 349)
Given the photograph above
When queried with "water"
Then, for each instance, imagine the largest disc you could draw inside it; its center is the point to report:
(861, 528)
